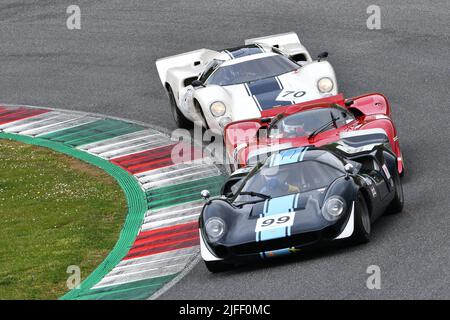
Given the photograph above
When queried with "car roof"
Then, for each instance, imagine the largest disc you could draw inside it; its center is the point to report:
(256, 56)
(299, 154)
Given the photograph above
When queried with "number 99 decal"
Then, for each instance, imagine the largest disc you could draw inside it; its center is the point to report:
(275, 221)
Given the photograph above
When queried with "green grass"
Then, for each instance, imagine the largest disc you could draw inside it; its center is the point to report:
(55, 211)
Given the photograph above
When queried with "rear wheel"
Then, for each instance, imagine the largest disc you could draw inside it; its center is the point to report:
(396, 206)
(218, 266)
(178, 116)
(363, 228)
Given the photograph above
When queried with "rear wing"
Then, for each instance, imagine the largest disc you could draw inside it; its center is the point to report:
(288, 43)
(190, 60)
(276, 40)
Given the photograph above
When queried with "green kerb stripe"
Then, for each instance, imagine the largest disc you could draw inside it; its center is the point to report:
(92, 132)
(136, 201)
(184, 192)
(137, 290)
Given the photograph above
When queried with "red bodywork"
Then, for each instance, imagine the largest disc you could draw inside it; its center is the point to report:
(370, 111)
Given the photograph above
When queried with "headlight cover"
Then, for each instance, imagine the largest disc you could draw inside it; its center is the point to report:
(325, 85)
(215, 228)
(333, 208)
(217, 109)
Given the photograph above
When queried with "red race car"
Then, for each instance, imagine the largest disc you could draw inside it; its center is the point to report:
(312, 123)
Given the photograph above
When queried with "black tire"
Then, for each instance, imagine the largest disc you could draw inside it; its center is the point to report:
(396, 205)
(178, 116)
(218, 266)
(363, 228)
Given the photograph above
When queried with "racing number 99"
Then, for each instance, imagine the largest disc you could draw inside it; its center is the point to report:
(279, 220)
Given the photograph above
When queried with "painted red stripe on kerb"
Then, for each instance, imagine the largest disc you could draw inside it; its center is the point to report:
(167, 230)
(147, 251)
(154, 159)
(164, 239)
(10, 115)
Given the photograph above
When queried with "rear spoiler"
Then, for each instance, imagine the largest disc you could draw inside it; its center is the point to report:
(276, 40)
(288, 43)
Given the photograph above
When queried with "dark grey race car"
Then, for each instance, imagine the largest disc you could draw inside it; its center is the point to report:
(301, 197)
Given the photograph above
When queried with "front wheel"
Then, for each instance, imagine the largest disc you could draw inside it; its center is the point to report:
(218, 266)
(178, 116)
(363, 228)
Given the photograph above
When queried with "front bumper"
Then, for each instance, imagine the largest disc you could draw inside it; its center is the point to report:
(277, 247)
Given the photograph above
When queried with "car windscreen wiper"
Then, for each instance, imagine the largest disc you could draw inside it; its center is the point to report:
(240, 204)
(256, 194)
(324, 127)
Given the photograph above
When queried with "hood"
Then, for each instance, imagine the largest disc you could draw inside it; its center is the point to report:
(242, 222)
(251, 98)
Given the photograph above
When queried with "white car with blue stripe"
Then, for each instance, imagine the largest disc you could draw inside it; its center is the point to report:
(214, 88)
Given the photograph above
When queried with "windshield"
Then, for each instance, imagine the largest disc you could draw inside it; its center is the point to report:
(304, 123)
(287, 179)
(252, 70)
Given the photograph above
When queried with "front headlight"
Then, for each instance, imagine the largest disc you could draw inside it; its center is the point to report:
(217, 109)
(325, 85)
(333, 208)
(215, 228)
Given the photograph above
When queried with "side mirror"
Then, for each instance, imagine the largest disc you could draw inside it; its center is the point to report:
(197, 83)
(205, 194)
(349, 168)
(322, 55)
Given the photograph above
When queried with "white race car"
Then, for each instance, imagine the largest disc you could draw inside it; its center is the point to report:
(214, 88)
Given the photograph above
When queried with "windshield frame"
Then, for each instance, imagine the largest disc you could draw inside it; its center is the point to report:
(247, 178)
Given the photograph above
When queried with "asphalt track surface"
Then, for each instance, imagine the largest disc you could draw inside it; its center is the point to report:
(108, 67)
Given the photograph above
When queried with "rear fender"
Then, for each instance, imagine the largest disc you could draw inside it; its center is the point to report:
(387, 125)
(174, 70)
(371, 104)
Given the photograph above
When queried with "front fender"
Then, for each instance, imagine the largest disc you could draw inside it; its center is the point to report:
(205, 97)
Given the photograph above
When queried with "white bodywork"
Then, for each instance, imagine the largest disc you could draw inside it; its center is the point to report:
(240, 102)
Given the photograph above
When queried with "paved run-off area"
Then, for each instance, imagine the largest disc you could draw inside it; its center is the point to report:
(160, 234)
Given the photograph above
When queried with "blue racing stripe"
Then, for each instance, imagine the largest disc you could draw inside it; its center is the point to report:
(280, 205)
(272, 207)
(287, 157)
(265, 92)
